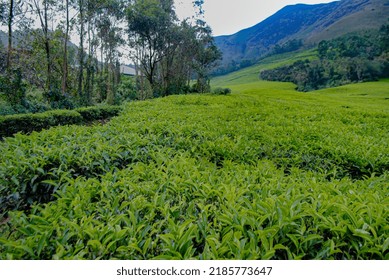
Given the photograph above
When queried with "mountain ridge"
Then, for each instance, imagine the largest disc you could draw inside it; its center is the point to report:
(308, 23)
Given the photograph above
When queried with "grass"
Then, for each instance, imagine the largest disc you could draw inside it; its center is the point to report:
(263, 173)
(251, 74)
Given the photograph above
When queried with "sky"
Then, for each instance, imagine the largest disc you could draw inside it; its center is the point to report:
(230, 16)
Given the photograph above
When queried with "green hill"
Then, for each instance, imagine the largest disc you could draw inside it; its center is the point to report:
(308, 23)
(251, 74)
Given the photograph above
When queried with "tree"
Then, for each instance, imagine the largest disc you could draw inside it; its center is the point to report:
(384, 37)
(11, 12)
(44, 11)
(109, 32)
(81, 23)
(207, 54)
(169, 52)
(149, 22)
(10, 22)
(65, 67)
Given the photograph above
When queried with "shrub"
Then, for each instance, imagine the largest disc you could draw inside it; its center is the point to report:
(13, 86)
(65, 117)
(8, 109)
(254, 176)
(59, 101)
(98, 112)
(26, 123)
(221, 91)
(126, 90)
(34, 105)
(12, 124)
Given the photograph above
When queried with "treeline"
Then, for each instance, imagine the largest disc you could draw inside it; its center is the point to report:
(357, 57)
(232, 66)
(289, 46)
(41, 69)
(170, 54)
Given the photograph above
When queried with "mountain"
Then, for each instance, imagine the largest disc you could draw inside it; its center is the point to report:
(308, 23)
(19, 38)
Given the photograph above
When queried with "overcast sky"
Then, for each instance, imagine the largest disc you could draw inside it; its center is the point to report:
(229, 16)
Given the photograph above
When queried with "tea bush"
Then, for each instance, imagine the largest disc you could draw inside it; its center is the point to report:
(221, 91)
(35, 122)
(27, 123)
(98, 112)
(263, 174)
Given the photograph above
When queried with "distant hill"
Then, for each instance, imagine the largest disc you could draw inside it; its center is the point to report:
(308, 23)
(124, 69)
(17, 39)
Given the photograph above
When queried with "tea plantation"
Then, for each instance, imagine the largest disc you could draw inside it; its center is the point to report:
(263, 173)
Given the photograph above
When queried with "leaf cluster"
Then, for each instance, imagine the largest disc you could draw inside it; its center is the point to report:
(11, 124)
(281, 175)
(357, 57)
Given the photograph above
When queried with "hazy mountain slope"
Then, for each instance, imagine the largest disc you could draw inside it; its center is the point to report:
(311, 23)
(367, 15)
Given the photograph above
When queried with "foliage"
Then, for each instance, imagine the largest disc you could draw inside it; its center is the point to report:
(268, 173)
(221, 91)
(59, 101)
(14, 88)
(289, 46)
(127, 90)
(27, 123)
(34, 122)
(232, 66)
(348, 59)
(250, 74)
(169, 53)
(98, 112)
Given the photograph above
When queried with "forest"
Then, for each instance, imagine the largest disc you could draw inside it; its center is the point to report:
(356, 57)
(41, 68)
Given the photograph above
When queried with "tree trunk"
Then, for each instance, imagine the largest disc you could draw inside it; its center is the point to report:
(43, 18)
(47, 47)
(110, 81)
(88, 69)
(81, 50)
(65, 56)
(10, 22)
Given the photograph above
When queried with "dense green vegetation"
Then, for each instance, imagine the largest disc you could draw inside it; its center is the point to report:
(311, 24)
(40, 69)
(12, 124)
(263, 173)
(250, 74)
(252, 170)
(356, 57)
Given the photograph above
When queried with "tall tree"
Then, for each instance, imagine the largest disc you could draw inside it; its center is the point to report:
(81, 16)
(65, 67)
(206, 56)
(43, 9)
(110, 34)
(10, 23)
(169, 52)
(149, 21)
(11, 12)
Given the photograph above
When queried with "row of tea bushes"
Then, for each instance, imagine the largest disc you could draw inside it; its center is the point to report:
(180, 208)
(27, 123)
(256, 175)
